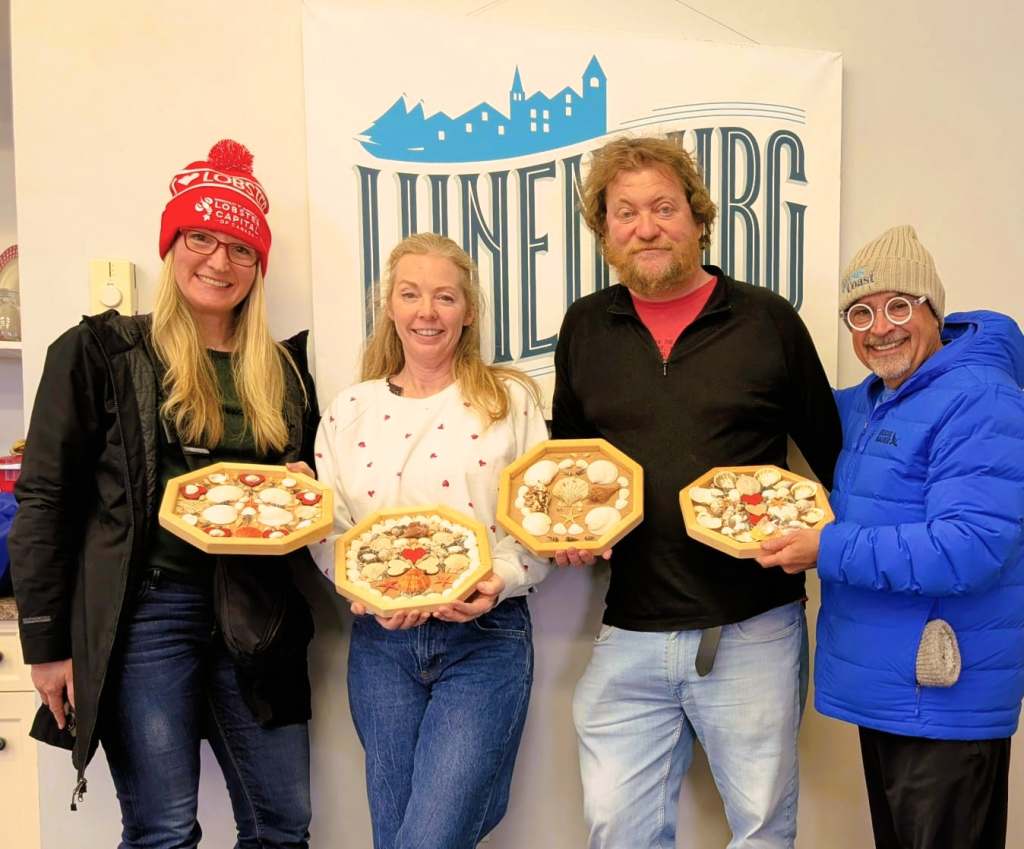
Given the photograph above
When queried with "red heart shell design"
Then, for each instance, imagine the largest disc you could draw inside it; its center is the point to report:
(252, 479)
(193, 491)
(413, 554)
(308, 498)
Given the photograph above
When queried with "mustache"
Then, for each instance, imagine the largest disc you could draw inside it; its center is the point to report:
(892, 336)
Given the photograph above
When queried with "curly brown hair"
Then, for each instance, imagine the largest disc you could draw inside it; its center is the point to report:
(632, 154)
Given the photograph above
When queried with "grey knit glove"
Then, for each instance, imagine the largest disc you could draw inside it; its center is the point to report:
(938, 655)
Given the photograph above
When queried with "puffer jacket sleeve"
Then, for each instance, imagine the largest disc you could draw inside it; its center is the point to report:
(974, 510)
(64, 440)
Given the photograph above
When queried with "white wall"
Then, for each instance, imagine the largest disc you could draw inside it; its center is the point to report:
(106, 106)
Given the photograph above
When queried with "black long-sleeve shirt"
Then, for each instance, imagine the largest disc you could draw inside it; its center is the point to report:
(739, 380)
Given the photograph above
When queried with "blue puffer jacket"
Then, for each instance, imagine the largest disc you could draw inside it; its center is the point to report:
(929, 504)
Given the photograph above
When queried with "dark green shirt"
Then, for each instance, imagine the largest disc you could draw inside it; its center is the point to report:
(166, 550)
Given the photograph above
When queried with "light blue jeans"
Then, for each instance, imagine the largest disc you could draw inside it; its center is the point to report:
(640, 705)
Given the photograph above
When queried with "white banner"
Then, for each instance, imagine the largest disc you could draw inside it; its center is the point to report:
(481, 132)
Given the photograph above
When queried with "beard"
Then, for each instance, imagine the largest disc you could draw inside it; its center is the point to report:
(683, 264)
(892, 365)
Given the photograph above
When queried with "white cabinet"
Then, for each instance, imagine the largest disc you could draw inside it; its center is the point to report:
(19, 785)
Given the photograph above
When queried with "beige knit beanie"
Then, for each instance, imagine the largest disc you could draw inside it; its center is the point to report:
(894, 262)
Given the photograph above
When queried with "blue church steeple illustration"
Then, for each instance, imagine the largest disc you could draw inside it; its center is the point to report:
(534, 123)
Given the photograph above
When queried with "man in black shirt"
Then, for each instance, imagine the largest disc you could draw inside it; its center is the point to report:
(683, 368)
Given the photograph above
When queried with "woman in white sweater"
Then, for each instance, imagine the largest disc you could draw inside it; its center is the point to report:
(439, 700)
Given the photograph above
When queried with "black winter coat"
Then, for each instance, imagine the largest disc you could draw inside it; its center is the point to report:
(88, 503)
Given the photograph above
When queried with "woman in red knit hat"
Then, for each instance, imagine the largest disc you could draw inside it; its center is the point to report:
(118, 620)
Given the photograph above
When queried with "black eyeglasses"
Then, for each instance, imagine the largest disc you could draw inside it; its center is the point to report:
(238, 253)
(898, 310)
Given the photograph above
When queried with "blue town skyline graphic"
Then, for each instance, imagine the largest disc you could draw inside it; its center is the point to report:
(484, 132)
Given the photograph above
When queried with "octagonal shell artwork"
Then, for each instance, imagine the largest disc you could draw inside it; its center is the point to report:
(414, 558)
(579, 493)
(734, 508)
(243, 508)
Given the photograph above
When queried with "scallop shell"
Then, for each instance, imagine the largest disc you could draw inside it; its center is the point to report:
(569, 490)
(273, 516)
(429, 564)
(702, 495)
(398, 567)
(621, 504)
(575, 529)
(748, 485)
(567, 463)
(709, 521)
(802, 490)
(537, 524)
(559, 528)
(224, 494)
(745, 536)
(273, 495)
(581, 463)
(218, 477)
(602, 471)
(717, 506)
(768, 477)
(813, 516)
(220, 514)
(374, 571)
(541, 473)
(189, 519)
(725, 481)
(456, 562)
(600, 519)
(306, 512)
(784, 512)
(288, 483)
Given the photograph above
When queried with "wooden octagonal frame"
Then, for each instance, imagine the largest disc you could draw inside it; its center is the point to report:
(546, 548)
(383, 606)
(296, 539)
(742, 550)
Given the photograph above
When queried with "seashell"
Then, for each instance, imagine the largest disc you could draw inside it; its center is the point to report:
(398, 567)
(189, 519)
(783, 486)
(745, 536)
(575, 529)
(724, 481)
(374, 571)
(379, 543)
(768, 494)
(581, 463)
(220, 514)
(274, 516)
(248, 511)
(518, 504)
(304, 512)
(429, 564)
(456, 563)
(717, 506)
(305, 523)
(802, 490)
(240, 503)
(443, 538)
(367, 556)
(621, 504)
(567, 463)
(700, 508)
(622, 480)
(570, 490)
(273, 495)
(796, 523)
(734, 496)
(748, 485)
(288, 483)
(701, 495)
(541, 473)
(602, 471)
(536, 499)
(456, 549)
(522, 491)
(768, 477)
(225, 493)
(624, 492)
(767, 527)
(537, 524)
(784, 512)
(709, 521)
(757, 509)
(218, 477)
(559, 528)
(813, 516)
(725, 530)
(805, 504)
(600, 519)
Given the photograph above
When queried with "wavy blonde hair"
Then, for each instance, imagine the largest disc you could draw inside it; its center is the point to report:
(482, 385)
(193, 400)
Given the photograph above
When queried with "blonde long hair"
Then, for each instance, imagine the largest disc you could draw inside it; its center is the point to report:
(482, 385)
(193, 399)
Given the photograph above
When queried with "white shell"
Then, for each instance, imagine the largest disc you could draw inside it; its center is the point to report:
(398, 567)
(767, 477)
(273, 495)
(191, 489)
(288, 483)
(537, 524)
(189, 519)
(220, 514)
(581, 463)
(813, 516)
(519, 505)
(559, 528)
(307, 512)
(802, 490)
(575, 529)
(218, 478)
(701, 495)
(567, 463)
(522, 491)
(743, 537)
(621, 504)
(600, 519)
(373, 571)
(541, 473)
(748, 485)
(223, 494)
(784, 512)
(248, 511)
(274, 516)
(305, 523)
(622, 480)
(767, 527)
(709, 521)
(725, 480)
(734, 496)
(602, 472)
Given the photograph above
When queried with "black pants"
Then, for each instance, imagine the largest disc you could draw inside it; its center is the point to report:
(936, 794)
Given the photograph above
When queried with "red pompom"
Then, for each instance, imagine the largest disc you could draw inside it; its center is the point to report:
(228, 155)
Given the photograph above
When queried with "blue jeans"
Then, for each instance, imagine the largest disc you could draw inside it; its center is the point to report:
(170, 683)
(640, 705)
(440, 711)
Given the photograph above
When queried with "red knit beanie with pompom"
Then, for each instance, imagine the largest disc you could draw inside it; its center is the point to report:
(221, 195)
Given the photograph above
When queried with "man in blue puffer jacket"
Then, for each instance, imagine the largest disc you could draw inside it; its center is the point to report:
(921, 630)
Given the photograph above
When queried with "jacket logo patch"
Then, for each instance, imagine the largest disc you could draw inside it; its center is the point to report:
(887, 437)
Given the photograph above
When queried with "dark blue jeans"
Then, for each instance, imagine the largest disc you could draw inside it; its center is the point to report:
(440, 711)
(170, 683)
